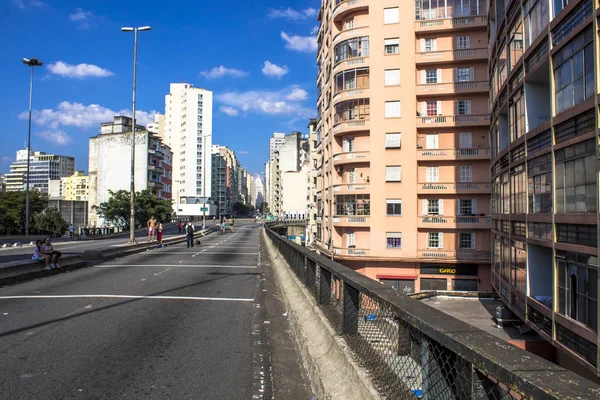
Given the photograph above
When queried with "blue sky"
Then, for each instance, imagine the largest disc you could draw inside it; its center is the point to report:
(258, 57)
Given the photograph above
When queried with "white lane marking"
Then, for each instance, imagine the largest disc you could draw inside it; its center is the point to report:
(121, 296)
(162, 272)
(221, 252)
(172, 266)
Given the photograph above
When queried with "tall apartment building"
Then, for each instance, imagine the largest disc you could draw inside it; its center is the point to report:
(42, 168)
(110, 163)
(274, 142)
(259, 193)
(403, 131)
(312, 179)
(226, 175)
(74, 187)
(188, 131)
(251, 187)
(544, 130)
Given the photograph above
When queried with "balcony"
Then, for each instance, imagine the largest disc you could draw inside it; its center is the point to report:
(448, 56)
(458, 255)
(152, 167)
(348, 33)
(436, 89)
(155, 184)
(344, 7)
(351, 94)
(351, 158)
(454, 187)
(352, 221)
(434, 25)
(338, 251)
(452, 120)
(351, 63)
(453, 222)
(351, 126)
(351, 188)
(453, 154)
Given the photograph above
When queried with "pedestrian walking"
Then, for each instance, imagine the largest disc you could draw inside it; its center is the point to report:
(159, 233)
(52, 256)
(150, 225)
(180, 226)
(71, 231)
(189, 231)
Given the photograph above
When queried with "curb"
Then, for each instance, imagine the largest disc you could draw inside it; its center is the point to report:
(27, 270)
(333, 372)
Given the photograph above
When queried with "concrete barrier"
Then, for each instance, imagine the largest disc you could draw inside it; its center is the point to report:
(25, 270)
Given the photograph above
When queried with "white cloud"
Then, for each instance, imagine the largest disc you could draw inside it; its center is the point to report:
(283, 102)
(23, 4)
(305, 44)
(78, 71)
(297, 94)
(244, 152)
(314, 30)
(7, 159)
(232, 112)
(221, 71)
(57, 137)
(274, 70)
(85, 19)
(295, 15)
(82, 116)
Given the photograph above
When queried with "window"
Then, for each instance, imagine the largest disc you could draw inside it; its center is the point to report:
(517, 116)
(463, 107)
(576, 178)
(577, 287)
(465, 173)
(349, 23)
(435, 240)
(353, 204)
(466, 207)
(433, 284)
(431, 76)
(394, 240)
(432, 174)
(465, 140)
(432, 108)
(433, 207)
(464, 74)
(391, 15)
(539, 181)
(392, 109)
(518, 201)
(392, 77)
(586, 235)
(393, 173)
(536, 19)
(518, 265)
(464, 285)
(352, 79)
(432, 141)
(467, 241)
(355, 47)
(392, 46)
(463, 42)
(350, 243)
(574, 71)
(394, 206)
(428, 45)
(348, 145)
(352, 175)
(393, 140)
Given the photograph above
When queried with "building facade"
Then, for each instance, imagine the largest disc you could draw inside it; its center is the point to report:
(74, 187)
(188, 132)
(42, 168)
(110, 163)
(403, 149)
(312, 178)
(258, 196)
(2, 183)
(544, 133)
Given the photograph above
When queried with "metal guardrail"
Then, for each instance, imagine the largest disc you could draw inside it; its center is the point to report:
(413, 351)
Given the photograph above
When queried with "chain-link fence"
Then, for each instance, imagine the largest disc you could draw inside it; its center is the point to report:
(412, 351)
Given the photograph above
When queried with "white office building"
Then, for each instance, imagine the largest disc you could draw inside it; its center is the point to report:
(188, 131)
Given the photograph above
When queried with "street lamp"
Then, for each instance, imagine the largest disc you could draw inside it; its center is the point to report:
(32, 62)
(135, 31)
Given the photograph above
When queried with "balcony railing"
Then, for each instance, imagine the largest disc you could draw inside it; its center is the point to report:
(351, 157)
(454, 187)
(350, 94)
(349, 33)
(454, 222)
(352, 125)
(345, 6)
(453, 120)
(351, 188)
(430, 25)
(351, 62)
(452, 55)
(474, 255)
(454, 154)
(410, 349)
(453, 87)
(352, 220)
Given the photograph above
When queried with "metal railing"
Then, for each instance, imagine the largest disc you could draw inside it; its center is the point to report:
(413, 351)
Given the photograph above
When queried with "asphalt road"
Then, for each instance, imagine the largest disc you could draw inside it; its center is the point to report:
(171, 323)
(75, 247)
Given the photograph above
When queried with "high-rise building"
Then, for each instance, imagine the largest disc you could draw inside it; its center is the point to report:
(188, 131)
(251, 186)
(544, 135)
(42, 168)
(110, 163)
(313, 177)
(403, 126)
(74, 187)
(258, 196)
(158, 126)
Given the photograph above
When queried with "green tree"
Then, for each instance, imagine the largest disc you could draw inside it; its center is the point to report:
(116, 210)
(241, 209)
(263, 208)
(50, 222)
(12, 210)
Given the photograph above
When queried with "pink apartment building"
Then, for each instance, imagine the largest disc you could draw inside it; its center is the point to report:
(403, 184)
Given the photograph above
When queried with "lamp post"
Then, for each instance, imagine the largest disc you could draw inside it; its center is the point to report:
(135, 31)
(32, 62)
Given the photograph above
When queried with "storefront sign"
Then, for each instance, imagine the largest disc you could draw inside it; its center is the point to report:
(441, 269)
